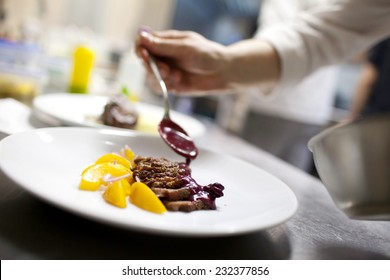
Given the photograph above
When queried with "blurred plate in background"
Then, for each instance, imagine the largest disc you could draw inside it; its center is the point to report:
(85, 110)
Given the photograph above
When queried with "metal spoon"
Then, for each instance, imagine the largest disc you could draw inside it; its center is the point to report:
(173, 134)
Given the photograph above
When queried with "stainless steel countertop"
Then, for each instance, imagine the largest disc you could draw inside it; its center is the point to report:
(32, 229)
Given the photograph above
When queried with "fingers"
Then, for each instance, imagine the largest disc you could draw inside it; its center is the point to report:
(195, 84)
(173, 50)
(184, 84)
(164, 69)
(170, 82)
(173, 34)
(173, 47)
(164, 43)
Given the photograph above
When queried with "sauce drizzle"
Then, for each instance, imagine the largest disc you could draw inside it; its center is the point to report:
(207, 193)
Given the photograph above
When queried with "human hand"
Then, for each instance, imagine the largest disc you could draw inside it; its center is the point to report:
(188, 62)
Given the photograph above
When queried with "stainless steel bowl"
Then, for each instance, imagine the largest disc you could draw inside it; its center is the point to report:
(353, 161)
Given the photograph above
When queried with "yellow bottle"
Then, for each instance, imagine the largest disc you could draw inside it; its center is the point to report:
(83, 58)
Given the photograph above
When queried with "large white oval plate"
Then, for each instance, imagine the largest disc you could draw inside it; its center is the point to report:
(85, 110)
(48, 162)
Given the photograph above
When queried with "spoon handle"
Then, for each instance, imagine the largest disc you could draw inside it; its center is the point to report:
(156, 72)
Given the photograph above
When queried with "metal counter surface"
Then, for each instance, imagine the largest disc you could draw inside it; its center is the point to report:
(32, 229)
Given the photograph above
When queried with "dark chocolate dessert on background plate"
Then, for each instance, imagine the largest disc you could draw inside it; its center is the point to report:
(120, 112)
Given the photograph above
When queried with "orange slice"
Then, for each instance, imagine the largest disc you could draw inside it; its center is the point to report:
(114, 158)
(115, 193)
(129, 154)
(92, 176)
(143, 197)
(126, 186)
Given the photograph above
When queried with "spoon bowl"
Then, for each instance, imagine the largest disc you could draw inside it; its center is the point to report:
(172, 133)
(177, 138)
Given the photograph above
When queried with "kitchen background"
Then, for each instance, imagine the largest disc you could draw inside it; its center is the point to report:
(38, 38)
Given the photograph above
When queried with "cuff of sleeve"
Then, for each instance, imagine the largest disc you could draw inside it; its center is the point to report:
(292, 54)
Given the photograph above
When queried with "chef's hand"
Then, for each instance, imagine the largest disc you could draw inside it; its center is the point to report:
(191, 64)
(188, 62)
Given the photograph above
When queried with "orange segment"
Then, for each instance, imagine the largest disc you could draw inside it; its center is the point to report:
(143, 197)
(126, 186)
(129, 154)
(115, 193)
(92, 176)
(114, 158)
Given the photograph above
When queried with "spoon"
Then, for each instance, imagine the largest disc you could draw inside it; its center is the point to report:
(172, 134)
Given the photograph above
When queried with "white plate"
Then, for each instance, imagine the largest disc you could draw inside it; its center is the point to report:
(84, 110)
(48, 162)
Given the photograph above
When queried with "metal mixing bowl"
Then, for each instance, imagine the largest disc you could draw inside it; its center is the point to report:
(353, 161)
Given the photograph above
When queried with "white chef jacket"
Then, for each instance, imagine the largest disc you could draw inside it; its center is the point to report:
(327, 33)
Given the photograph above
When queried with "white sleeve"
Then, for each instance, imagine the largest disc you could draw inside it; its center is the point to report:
(326, 34)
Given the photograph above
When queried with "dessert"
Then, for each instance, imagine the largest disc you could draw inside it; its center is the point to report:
(120, 112)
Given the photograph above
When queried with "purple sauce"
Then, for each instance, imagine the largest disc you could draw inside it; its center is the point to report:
(207, 194)
(183, 145)
(177, 139)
